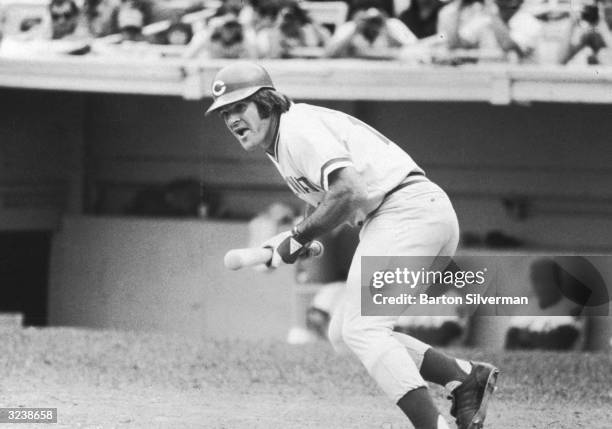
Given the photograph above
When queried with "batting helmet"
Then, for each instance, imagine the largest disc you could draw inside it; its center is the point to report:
(237, 82)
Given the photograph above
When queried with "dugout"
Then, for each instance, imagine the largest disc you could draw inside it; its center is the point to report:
(524, 151)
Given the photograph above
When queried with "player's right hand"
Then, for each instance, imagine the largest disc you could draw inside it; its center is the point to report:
(273, 243)
(286, 249)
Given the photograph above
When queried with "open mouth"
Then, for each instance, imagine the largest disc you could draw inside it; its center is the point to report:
(241, 131)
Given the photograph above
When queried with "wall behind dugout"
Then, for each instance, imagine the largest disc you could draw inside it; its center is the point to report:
(540, 173)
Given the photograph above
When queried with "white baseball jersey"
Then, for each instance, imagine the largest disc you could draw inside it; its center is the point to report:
(313, 141)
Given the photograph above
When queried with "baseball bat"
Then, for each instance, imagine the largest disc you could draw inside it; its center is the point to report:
(237, 259)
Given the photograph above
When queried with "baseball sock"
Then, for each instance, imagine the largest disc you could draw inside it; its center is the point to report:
(444, 370)
(420, 409)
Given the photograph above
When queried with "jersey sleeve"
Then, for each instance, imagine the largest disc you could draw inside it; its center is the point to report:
(317, 151)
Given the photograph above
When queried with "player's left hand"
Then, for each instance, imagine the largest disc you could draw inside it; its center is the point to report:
(286, 248)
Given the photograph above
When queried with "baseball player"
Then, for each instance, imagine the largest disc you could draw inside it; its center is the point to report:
(349, 172)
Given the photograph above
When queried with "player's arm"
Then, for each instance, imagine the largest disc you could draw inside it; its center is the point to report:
(347, 193)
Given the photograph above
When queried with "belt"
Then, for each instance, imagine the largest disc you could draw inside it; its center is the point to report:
(413, 177)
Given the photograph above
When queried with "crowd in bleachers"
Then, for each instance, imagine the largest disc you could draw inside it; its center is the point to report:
(422, 31)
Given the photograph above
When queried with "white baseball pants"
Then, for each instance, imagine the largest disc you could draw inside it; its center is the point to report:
(418, 220)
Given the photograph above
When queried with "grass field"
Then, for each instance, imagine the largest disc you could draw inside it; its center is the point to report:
(116, 379)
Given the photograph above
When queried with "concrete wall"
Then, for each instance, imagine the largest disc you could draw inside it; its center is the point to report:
(166, 276)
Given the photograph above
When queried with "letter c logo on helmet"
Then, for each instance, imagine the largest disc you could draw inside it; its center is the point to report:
(236, 82)
(218, 88)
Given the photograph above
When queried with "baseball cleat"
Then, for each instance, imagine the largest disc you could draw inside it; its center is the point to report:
(471, 398)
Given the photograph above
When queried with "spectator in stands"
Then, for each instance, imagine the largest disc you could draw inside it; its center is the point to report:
(265, 13)
(62, 22)
(421, 17)
(588, 34)
(101, 17)
(292, 30)
(225, 37)
(370, 33)
(131, 19)
(233, 7)
(487, 25)
(516, 31)
(64, 18)
(241, 9)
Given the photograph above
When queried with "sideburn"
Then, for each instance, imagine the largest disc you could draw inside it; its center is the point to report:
(272, 132)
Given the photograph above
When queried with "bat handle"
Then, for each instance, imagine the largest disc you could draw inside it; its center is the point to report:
(315, 249)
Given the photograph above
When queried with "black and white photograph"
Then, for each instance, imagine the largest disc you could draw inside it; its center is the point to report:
(306, 214)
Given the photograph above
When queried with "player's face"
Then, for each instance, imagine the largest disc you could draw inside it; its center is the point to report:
(244, 122)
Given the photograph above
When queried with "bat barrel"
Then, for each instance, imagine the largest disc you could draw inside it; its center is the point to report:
(236, 259)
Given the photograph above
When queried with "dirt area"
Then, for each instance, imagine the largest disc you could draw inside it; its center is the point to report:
(103, 379)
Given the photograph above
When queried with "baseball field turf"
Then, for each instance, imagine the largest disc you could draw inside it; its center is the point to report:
(106, 379)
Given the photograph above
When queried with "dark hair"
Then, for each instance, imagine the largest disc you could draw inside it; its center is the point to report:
(469, 2)
(74, 9)
(230, 24)
(270, 101)
(293, 10)
(267, 8)
(89, 8)
(382, 5)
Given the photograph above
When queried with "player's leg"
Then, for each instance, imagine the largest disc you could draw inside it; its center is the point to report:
(435, 366)
(468, 384)
(416, 403)
(371, 338)
(387, 360)
(439, 368)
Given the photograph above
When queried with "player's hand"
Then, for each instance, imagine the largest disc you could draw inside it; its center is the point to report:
(273, 243)
(286, 248)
